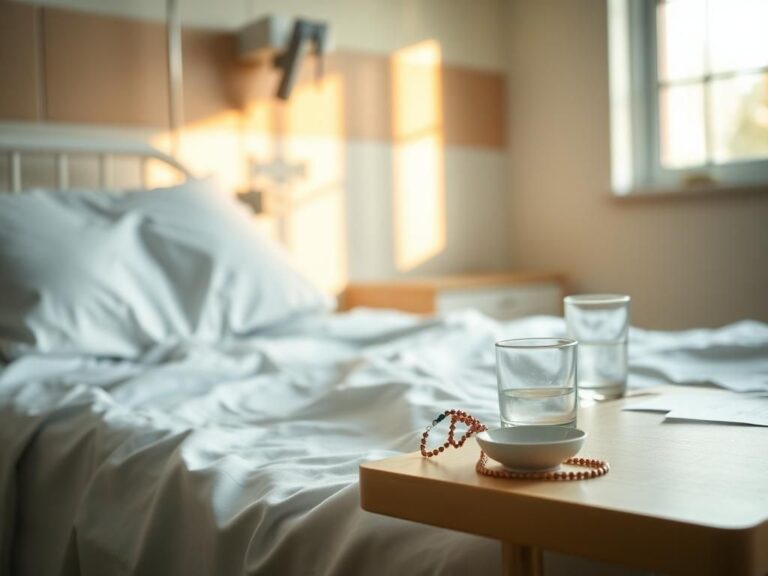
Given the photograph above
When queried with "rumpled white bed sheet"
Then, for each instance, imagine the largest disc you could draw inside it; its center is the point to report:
(244, 458)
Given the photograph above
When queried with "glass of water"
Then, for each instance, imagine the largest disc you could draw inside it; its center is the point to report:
(537, 381)
(600, 322)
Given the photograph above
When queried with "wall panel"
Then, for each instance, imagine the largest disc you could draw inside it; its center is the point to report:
(105, 70)
(474, 106)
(210, 66)
(19, 71)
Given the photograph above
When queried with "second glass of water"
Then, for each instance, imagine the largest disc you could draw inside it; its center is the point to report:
(600, 322)
(537, 381)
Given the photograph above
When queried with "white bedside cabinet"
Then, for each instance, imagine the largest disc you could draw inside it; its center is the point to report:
(501, 296)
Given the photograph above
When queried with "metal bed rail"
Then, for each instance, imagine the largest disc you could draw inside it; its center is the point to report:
(63, 144)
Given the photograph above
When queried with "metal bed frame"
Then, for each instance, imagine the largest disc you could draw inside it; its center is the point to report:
(18, 139)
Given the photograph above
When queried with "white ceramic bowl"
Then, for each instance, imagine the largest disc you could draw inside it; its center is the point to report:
(531, 448)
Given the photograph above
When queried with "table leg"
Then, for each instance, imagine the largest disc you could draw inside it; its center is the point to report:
(519, 560)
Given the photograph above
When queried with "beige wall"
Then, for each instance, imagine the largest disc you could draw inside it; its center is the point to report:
(692, 261)
(402, 144)
(471, 32)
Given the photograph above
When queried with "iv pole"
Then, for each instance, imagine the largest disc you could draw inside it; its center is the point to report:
(175, 79)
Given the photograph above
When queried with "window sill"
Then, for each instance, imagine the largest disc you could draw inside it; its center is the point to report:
(700, 191)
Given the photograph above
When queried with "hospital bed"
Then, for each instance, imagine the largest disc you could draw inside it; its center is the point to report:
(176, 399)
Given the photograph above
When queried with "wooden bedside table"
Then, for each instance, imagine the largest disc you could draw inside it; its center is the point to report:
(681, 498)
(501, 296)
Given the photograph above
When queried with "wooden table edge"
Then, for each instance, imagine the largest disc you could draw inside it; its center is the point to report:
(442, 503)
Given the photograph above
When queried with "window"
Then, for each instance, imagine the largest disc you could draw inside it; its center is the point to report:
(689, 93)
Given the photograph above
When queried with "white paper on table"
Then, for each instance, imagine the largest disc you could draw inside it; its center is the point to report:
(737, 409)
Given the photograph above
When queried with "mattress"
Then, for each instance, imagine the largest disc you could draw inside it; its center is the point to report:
(243, 459)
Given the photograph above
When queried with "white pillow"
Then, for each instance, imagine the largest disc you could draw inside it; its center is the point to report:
(115, 273)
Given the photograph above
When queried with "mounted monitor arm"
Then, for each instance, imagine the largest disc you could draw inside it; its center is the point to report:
(304, 32)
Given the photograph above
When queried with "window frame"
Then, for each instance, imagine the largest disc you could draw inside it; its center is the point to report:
(635, 121)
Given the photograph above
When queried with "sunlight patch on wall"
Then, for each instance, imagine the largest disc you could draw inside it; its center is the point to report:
(158, 174)
(418, 162)
(212, 147)
(259, 117)
(301, 161)
(315, 235)
(305, 208)
(315, 108)
(209, 148)
(315, 227)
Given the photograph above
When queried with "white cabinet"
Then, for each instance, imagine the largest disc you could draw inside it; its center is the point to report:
(502, 296)
(504, 302)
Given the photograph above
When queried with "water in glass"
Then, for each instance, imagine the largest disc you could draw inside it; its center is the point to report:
(602, 370)
(538, 406)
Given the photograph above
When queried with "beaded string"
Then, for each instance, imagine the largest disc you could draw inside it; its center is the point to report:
(595, 467)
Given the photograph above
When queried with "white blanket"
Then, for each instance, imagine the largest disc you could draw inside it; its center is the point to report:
(244, 459)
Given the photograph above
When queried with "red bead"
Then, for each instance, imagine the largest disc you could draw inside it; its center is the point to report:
(440, 449)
